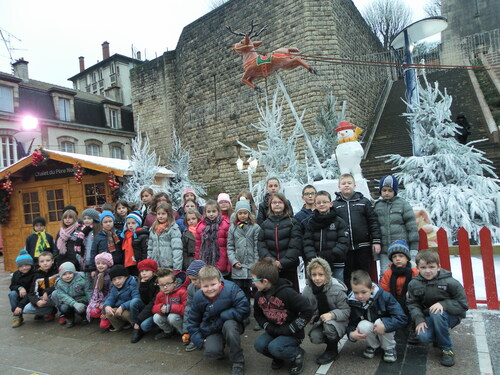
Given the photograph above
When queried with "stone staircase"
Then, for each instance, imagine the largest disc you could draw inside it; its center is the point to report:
(392, 135)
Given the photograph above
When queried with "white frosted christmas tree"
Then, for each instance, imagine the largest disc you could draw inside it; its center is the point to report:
(179, 161)
(454, 182)
(144, 165)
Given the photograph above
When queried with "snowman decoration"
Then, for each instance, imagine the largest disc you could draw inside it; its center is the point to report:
(349, 151)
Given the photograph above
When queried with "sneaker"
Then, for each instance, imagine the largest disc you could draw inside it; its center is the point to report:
(61, 320)
(257, 327)
(298, 363)
(369, 352)
(390, 355)
(238, 369)
(276, 364)
(447, 358)
(49, 317)
(17, 321)
(163, 335)
(190, 347)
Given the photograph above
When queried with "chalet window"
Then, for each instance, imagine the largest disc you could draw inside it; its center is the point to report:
(95, 194)
(6, 99)
(67, 146)
(55, 204)
(31, 206)
(64, 109)
(93, 149)
(8, 154)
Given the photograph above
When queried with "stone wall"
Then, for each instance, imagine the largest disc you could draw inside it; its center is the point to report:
(196, 89)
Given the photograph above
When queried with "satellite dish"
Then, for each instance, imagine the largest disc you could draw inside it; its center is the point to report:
(420, 30)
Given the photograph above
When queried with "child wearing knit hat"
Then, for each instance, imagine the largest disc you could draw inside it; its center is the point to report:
(134, 242)
(101, 283)
(20, 284)
(39, 240)
(90, 219)
(226, 207)
(107, 240)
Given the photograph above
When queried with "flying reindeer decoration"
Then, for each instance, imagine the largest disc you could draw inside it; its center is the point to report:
(259, 66)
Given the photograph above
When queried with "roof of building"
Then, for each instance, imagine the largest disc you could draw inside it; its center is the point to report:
(120, 167)
(116, 56)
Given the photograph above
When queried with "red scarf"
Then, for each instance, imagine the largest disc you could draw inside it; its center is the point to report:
(128, 249)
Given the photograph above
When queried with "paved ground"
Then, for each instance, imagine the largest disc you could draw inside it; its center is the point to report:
(46, 348)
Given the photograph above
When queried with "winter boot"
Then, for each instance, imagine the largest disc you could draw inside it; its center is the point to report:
(330, 354)
(136, 336)
(17, 321)
(298, 363)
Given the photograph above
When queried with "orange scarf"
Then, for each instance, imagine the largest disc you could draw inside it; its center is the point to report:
(128, 248)
(160, 227)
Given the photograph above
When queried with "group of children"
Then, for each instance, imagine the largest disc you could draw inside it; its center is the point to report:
(194, 275)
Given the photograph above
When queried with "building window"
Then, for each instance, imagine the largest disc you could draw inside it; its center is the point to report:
(67, 146)
(93, 149)
(112, 68)
(31, 206)
(95, 194)
(8, 155)
(55, 204)
(64, 109)
(113, 119)
(117, 152)
(6, 99)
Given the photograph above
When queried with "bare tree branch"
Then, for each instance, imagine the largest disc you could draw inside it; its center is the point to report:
(432, 8)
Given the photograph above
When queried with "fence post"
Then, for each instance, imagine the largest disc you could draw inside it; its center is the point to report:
(423, 242)
(465, 260)
(489, 269)
(443, 249)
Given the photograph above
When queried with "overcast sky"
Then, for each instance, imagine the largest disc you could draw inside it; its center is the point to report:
(54, 33)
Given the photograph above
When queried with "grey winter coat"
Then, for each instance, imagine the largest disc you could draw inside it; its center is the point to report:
(166, 249)
(446, 290)
(242, 247)
(336, 295)
(397, 222)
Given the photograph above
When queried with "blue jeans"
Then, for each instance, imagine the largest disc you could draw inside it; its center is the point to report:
(437, 330)
(136, 306)
(148, 324)
(14, 299)
(281, 347)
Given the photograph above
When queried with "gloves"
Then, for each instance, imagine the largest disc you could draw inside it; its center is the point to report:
(185, 338)
(79, 307)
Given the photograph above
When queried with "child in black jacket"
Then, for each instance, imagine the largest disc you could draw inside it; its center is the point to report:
(20, 285)
(39, 240)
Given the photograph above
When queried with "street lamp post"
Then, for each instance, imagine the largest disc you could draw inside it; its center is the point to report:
(252, 167)
(29, 130)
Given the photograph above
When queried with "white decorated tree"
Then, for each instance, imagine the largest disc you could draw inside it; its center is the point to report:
(144, 165)
(454, 182)
(179, 161)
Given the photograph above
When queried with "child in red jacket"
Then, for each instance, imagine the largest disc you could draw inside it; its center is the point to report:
(170, 302)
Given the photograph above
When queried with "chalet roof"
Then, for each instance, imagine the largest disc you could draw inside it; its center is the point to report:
(120, 167)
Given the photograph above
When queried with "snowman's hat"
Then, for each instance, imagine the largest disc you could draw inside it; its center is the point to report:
(344, 125)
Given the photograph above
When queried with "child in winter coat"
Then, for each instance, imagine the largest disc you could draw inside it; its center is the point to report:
(303, 216)
(107, 240)
(92, 226)
(20, 284)
(134, 242)
(325, 235)
(281, 238)
(71, 295)
(122, 209)
(242, 246)
(364, 231)
(272, 187)
(39, 240)
(101, 287)
(189, 194)
(216, 317)
(41, 288)
(191, 219)
(170, 302)
(159, 198)
(123, 293)
(396, 219)
(69, 241)
(327, 295)
(211, 238)
(146, 199)
(192, 273)
(165, 239)
(283, 313)
(189, 205)
(141, 310)
(375, 317)
(225, 205)
(246, 194)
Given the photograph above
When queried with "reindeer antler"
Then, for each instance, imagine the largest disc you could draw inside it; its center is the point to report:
(249, 33)
(241, 33)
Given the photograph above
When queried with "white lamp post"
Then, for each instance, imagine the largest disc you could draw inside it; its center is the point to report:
(252, 167)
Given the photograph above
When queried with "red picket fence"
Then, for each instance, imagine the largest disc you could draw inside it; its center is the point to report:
(465, 259)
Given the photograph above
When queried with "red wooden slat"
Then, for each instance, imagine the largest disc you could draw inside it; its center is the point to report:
(489, 269)
(423, 242)
(373, 271)
(443, 249)
(465, 260)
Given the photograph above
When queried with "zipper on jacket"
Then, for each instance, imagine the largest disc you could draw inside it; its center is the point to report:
(276, 241)
(350, 224)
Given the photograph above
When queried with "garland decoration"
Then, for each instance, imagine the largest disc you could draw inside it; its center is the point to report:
(78, 171)
(39, 157)
(6, 190)
(113, 184)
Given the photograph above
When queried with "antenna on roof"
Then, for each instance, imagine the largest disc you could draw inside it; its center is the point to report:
(6, 37)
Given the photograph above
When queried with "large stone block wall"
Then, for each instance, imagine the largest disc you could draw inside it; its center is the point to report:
(196, 89)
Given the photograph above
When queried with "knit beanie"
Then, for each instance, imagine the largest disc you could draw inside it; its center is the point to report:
(188, 190)
(195, 267)
(105, 258)
(106, 214)
(390, 181)
(398, 247)
(118, 270)
(148, 264)
(242, 204)
(66, 267)
(136, 215)
(24, 258)
(39, 220)
(69, 207)
(224, 197)
(91, 212)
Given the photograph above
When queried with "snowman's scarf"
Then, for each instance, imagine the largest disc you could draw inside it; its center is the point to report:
(347, 139)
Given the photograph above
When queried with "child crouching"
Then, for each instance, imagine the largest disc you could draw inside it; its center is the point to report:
(20, 284)
(327, 295)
